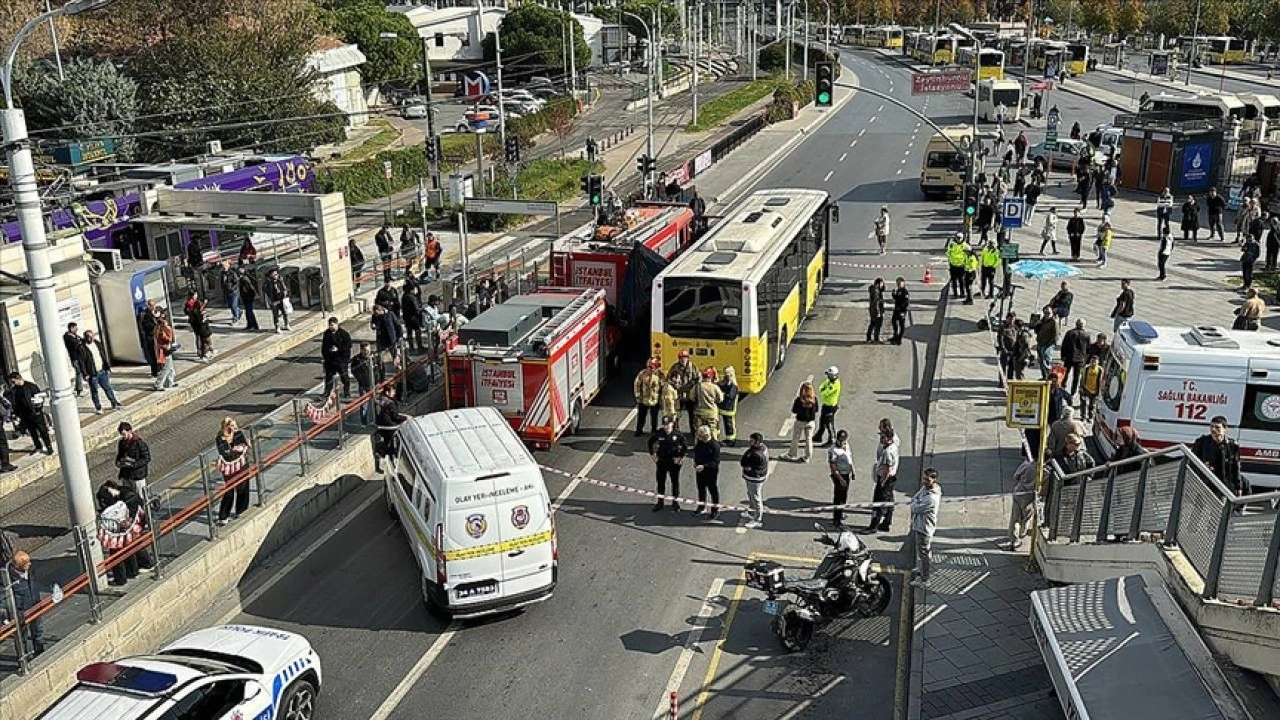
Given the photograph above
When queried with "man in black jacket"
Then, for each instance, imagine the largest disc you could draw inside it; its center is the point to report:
(31, 413)
(1222, 455)
(71, 339)
(249, 296)
(667, 450)
(132, 457)
(277, 295)
(1217, 207)
(387, 332)
(1075, 233)
(387, 297)
(368, 372)
(147, 335)
(1075, 353)
(95, 363)
(25, 595)
(335, 349)
(386, 251)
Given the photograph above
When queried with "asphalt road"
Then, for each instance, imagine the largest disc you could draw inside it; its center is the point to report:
(634, 583)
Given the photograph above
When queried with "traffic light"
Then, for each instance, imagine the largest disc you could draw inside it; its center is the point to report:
(824, 83)
(433, 151)
(595, 189)
(645, 164)
(970, 201)
(511, 148)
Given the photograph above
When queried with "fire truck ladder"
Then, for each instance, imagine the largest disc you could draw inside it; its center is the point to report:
(542, 336)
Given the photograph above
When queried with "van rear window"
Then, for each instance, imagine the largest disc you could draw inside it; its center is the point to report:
(1261, 408)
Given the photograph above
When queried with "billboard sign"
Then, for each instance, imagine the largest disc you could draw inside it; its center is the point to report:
(1197, 163)
(939, 83)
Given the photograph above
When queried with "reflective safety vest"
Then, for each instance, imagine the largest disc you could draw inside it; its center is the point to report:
(955, 254)
(829, 392)
(990, 257)
(971, 263)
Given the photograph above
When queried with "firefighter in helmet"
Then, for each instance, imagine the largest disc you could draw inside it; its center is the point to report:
(707, 399)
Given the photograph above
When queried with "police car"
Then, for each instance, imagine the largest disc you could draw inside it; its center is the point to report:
(231, 672)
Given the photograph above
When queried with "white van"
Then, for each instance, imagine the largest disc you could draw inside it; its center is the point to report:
(475, 508)
(1169, 382)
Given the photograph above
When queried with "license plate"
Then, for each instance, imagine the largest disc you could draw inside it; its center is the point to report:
(477, 590)
(771, 607)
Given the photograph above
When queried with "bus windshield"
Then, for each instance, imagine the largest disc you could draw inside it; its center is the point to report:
(694, 307)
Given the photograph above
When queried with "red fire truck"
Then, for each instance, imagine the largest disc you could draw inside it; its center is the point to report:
(623, 259)
(538, 358)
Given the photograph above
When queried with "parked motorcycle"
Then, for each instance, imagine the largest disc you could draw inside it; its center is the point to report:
(843, 586)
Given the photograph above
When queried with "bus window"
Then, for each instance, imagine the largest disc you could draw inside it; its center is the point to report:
(709, 309)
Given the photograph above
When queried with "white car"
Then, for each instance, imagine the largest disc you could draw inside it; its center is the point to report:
(240, 672)
(1065, 156)
(413, 112)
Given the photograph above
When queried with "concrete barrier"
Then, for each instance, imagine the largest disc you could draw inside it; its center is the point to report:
(143, 621)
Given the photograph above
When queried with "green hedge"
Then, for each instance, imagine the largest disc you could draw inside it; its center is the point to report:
(366, 180)
(547, 179)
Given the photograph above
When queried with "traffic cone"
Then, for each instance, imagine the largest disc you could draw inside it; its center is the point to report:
(928, 274)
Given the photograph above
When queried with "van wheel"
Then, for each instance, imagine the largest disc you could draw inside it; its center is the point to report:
(428, 599)
(782, 350)
(299, 702)
(575, 417)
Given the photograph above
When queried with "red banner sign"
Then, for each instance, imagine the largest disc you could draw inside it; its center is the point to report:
(947, 81)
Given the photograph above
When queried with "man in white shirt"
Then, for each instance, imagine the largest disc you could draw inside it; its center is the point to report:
(924, 522)
(840, 460)
(885, 476)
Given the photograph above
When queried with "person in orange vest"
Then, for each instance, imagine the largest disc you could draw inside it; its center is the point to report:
(432, 256)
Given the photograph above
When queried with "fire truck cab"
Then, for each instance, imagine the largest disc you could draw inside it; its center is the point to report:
(1169, 382)
(538, 358)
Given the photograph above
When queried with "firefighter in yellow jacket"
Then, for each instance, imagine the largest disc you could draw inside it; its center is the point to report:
(707, 399)
(648, 393)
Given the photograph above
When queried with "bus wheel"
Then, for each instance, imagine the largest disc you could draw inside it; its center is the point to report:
(782, 350)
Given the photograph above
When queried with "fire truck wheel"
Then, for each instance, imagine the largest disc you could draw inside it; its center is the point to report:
(575, 419)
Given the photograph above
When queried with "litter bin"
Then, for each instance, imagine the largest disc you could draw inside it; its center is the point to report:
(312, 285)
(292, 282)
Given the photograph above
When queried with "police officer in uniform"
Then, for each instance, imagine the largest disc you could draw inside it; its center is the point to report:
(829, 401)
(667, 449)
(956, 250)
(970, 274)
(990, 261)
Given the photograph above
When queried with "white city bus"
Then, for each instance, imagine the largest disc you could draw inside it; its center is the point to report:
(994, 93)
(1209, 107)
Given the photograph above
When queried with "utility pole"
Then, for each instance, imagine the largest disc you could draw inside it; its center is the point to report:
(573, 55)
(649, 149)
(827, 47)
(1026, 50)
(53, 35)
(657, 23)
(697, 38)
(752, 39)
(1191, 55)
(805, 57)
(785, 39)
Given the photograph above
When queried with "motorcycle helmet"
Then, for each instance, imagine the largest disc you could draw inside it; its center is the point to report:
(833, 372)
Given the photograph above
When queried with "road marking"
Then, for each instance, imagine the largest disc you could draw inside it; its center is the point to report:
(974, 584)
(718, 653)
(795, 711)
(903, 161)
(829, 174)
(842, 157)
(929, 616)
(873, 119)
(389, 705)
(686, 654)
(861, 132)
(906, 152)
(881, 108)
(594, 459)
(787, 424)
(853, 144)
(899, 171)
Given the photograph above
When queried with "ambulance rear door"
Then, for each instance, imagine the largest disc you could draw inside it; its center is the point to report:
(1258, 429)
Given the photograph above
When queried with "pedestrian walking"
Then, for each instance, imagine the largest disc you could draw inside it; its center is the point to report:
(804, 411)
(368, 372)
(95, 363)
(684, 376)
(6, 463)
(875, 310)
(410, 248)
(1273, 243)
(1090, 388)
(133, 458)
(1075, 353)
(28, 406)
(1102, 243)
(840, 463)
(885, 476)
(1107, 197)
(647, 390)
(164, 347)
(901, 304)
(431, 256)
(1216, 206)
(248, 253)
(1191, 220)
(1065, 426)
(1023, 503)
(387, 418)
(1032, 197)
(1084, 182)
(1164, 212)
(196, 309)
(1124, 307)
(706, 469)
(970, 274)
(1249, 253)
(667, 450)
(1061, 303)
(755, 471)
(1250, 313)
(989, 260)
(729, 405)
(1163, 253)
(1245, 215)
(1075, 233)
(388, 331)
(249, 297)
(924, 523)
(882, 229)
(386, 251)
(388, 297)
(26, 595)
(1221, 454)
(72, 342)
(1046, 328)
(829, 398)
(411, 315)
(233, 450)
(278, 296)
(231, 289)
(1020, 144)
(335, 355)
(356, 256)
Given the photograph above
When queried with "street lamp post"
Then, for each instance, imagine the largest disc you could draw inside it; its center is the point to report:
(827, 37)
(973, 142)
(805, 58)
(648, 76)
(1191, 54)
(697, 37)
(35, 249)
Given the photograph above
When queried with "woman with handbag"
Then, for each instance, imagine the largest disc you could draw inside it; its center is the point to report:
(805, 410)
(233, 455)
(197, 310)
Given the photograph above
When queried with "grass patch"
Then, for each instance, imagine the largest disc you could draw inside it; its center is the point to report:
(731, 103)
(375, 144)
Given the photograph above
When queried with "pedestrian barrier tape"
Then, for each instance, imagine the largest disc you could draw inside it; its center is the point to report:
(804, 512)
(116, 540)
(318, 413)
(884, 266)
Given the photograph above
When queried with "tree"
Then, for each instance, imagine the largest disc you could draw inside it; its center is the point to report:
(242, 80)
(533, 39)
(643, 8)
(561, 122)
(1098, 17)
(395, 60)
(94, 101)
(1131, 17)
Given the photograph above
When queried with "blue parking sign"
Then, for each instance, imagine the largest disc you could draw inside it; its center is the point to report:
(1012, 211)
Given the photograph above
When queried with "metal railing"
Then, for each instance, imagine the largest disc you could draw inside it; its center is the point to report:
(283, 445)
(1232, 542)
(520, 272)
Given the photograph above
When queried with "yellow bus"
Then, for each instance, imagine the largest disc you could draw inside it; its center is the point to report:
(1076, 57)
(738, 296)
(1219, 50)
(988, 65)
(935, 49)
(885, 36)
(1048, 52)
(853, 35)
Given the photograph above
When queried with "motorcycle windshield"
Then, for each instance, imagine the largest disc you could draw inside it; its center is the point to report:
(831, 565)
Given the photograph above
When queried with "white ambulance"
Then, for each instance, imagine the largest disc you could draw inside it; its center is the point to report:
(1169, 382)
(476, 510)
